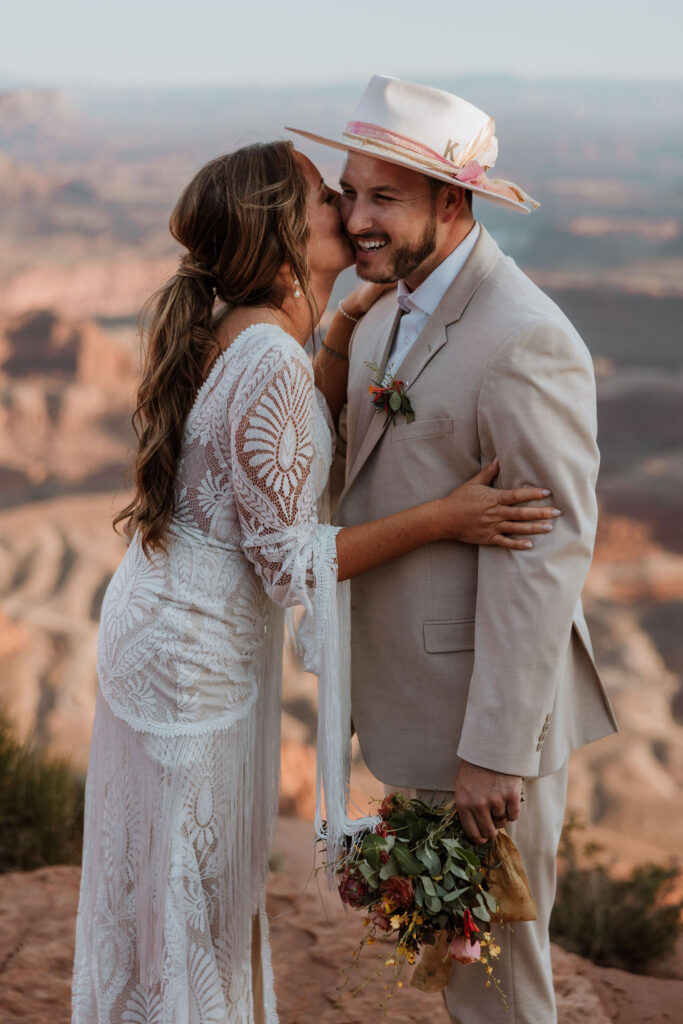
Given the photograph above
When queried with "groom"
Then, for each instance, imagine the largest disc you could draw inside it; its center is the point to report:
(473, 670)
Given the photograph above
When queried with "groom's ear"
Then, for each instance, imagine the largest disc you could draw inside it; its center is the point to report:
(452, 201)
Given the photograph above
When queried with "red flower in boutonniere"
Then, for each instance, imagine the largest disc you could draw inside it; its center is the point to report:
(389, 395)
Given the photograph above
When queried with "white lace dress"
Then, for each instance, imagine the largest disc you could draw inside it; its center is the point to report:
(182, 783)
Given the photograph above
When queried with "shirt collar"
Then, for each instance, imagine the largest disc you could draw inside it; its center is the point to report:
(429, 294)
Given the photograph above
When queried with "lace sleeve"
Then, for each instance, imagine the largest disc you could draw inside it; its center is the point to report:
(273, 424)
(273, 455)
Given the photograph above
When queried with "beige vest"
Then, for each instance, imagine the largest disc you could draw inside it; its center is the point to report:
(459, 651)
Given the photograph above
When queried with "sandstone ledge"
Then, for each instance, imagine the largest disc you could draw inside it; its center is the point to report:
(312, 938)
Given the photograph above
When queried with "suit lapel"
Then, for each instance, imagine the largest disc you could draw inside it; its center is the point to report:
(429, 342)
(361, 410)
(452, 306)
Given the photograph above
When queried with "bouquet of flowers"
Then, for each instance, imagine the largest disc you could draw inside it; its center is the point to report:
(424, 885)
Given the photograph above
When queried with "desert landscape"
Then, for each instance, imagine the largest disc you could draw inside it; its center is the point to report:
(87, 181)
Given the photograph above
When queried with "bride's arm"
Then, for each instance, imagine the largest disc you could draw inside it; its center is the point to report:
(331, 364)
(293, 554)
(474, 513)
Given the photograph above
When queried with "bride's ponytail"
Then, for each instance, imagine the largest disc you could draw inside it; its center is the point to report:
(179, 343)
(240, 218)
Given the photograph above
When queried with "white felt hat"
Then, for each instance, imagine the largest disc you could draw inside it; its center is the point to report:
(431, 131)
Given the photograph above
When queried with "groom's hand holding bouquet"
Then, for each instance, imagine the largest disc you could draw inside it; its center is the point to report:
(423, 883)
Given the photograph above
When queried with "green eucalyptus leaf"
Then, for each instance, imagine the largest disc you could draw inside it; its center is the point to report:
(471, 858)
(450, 897)
(481, 913)
(395, 401)
(433, 904)
(491, 901)
(460, 873)
(370, 874)
(389, 869)
(408, 864)
(372, 847)
(428, 885)
(429, 859)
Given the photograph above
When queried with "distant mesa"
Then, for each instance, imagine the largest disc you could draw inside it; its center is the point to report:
(41, 343)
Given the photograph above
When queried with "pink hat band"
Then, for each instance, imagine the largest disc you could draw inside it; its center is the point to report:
(468, 171)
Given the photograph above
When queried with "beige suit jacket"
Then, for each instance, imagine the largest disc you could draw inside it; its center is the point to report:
(459, 651)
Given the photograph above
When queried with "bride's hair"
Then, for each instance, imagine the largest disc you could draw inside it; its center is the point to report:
(240, 218)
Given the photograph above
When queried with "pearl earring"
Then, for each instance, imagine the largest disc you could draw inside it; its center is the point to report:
(297, 293)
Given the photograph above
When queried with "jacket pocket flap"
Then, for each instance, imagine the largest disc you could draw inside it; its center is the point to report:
(421, 429)
(455, 635)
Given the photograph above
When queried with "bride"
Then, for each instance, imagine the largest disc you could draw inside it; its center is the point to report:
(235, 444)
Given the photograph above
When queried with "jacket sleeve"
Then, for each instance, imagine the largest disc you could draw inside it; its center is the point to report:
(537, 413)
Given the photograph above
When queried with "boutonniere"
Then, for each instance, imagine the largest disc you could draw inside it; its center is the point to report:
(389, 395)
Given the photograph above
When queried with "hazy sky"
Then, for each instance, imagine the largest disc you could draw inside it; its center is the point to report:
(205, 42)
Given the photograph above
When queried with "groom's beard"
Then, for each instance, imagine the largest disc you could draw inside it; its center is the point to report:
(407, 258)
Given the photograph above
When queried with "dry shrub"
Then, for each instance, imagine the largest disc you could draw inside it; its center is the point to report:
(41, 806)
(627, 923)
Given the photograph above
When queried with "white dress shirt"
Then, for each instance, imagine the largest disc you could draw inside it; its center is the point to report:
(419, 305)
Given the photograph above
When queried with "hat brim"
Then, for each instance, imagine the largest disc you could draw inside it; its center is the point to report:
(368, 148)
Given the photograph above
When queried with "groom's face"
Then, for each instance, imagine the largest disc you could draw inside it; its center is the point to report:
(389, 213)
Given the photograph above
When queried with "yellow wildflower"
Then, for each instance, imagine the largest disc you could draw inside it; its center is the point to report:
(390, 962)
(396, 920)
(371, 939)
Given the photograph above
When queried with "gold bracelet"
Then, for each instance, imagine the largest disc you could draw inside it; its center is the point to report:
(337, 355)
(353, 319)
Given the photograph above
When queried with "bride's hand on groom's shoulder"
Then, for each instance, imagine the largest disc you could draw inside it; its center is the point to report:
(477, 513)
(359, 301)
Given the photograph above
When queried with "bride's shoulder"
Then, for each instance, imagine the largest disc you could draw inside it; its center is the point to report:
(268, 343)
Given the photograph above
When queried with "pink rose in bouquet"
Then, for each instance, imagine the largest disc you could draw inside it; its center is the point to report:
(464, 951)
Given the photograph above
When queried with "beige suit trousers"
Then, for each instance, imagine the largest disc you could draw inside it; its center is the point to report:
(523, 967)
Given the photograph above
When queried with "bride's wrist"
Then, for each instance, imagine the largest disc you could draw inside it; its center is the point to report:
(350, 310)
(436, 520)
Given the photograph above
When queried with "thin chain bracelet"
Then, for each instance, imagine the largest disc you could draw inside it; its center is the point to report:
(337, 355)
(353, 319)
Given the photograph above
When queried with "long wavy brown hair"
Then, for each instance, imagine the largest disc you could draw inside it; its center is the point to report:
(240, 218)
